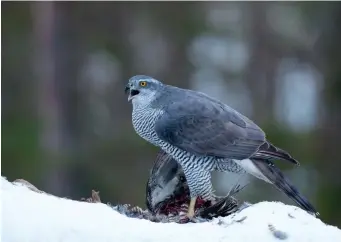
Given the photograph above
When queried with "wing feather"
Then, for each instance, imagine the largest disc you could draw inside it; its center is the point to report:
(207, 128)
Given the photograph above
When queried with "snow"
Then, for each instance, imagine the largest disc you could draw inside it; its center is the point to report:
(30, 216)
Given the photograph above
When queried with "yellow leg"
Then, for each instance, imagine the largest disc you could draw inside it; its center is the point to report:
(190, 212)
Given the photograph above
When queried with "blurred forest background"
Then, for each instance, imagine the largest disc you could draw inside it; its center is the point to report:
(66, 123)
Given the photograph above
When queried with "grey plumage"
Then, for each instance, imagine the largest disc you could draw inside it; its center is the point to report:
(202, 134)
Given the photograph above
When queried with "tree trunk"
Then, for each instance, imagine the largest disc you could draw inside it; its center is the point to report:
(56, 52)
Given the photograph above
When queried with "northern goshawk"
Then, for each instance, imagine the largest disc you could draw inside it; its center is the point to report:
(203, 134)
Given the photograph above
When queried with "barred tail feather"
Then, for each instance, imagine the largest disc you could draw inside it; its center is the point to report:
(276, 177)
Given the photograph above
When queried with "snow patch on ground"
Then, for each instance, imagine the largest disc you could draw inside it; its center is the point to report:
(37, 217)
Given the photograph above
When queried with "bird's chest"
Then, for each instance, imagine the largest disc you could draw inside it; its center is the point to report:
(144, 124)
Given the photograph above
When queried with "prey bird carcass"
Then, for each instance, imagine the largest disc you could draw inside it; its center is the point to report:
(167, 193)
(203, 134)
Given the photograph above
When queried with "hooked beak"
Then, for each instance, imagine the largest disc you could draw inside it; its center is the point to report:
(131, 92)
(126, 89)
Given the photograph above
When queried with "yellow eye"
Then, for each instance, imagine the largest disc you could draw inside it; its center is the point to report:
(143, 83)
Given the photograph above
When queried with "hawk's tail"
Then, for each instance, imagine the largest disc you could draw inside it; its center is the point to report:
(276, 177)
